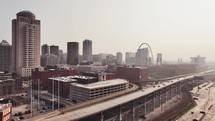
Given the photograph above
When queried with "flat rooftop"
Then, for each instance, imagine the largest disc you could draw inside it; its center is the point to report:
(101, 84)
(70, 78)
(7, 80)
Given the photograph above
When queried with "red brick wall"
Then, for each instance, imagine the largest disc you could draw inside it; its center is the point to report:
(132, 74)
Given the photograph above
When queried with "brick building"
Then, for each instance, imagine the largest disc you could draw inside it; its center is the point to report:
(63, 83)
(5, 111)
(132, 74)
(9, 86)
(44, 75)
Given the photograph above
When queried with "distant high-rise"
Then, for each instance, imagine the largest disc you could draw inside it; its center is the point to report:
(49, 60)
(5, 56)
(159, 59)
(72, 53)
(87, 50)
(25, 43)
(119, 57)
(54, 50)
(45, 49)
(142, 57)
(198, 60)
(130, 58)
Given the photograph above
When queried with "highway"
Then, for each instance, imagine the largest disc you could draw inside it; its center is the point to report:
(99, 107)
(204, 99)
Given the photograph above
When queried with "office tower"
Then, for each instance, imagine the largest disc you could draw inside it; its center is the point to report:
(45, 49)
(60, 51)
(200, 61)
(72, 53)
(5, 56)
(142, 57)
(54, 50)
(25, 43)
(87, 50)
(130, 58)
(159, 59)
(119, 57)
(49, 60)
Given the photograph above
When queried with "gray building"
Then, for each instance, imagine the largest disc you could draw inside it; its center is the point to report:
(142, 57)
(198, 60)
(25, 43)
(49, 60)
(54, 50)
(87, 50)
(72, 53)
(5, 56)
(45, 49)
(130, 58)
(159, 59)
(119, 57)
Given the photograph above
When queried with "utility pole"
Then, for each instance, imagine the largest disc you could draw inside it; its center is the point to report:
(31, 98)
(52, 94)
(58, 94)
(38, 96)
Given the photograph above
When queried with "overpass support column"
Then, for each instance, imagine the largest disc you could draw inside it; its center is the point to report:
(179, 89)
(120, 113)
(144, 106)
(160, 98)
(102, 116)
(133, 111)
(170, 92)
(154, 97)
(165, 95)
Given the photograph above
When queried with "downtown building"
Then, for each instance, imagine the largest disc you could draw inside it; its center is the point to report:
(45, 49)
(25, 43)
(142, 57)
(72, 53)
(119, 57)
(87, 50)
(5, 56)
(130, 58)
(50, 56)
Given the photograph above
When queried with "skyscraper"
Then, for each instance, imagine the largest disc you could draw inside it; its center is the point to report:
(142, 57)
(25, 43)
(45, 49)
(54, 50)
(119, 57)
(159, 59)
(87, 50)
(5, 56)
(72, 53)
(130, 58)
(200, 61)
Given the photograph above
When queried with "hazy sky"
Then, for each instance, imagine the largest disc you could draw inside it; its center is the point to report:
(175, 28)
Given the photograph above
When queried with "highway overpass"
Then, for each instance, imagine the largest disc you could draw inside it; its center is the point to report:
(128, 107)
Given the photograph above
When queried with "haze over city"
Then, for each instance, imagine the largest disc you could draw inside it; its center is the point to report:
(178, 29)
(107, 60)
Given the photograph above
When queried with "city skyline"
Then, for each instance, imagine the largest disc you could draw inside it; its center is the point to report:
(177, 29)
